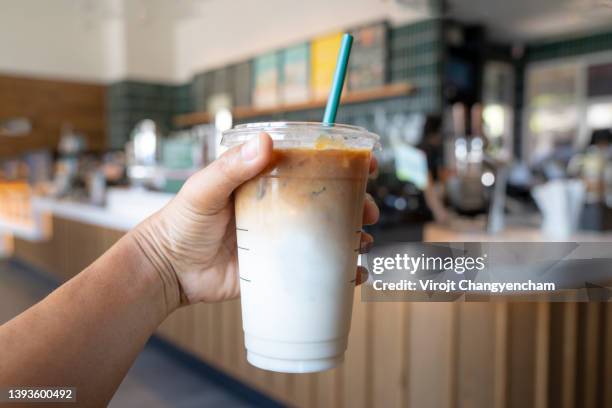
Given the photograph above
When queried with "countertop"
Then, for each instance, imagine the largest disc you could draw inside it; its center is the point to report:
(467, 232)
(124, 209)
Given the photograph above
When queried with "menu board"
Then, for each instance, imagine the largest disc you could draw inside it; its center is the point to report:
(323, 56)
(295, 80)
(368, 61)
(266, 80)
(552, 85)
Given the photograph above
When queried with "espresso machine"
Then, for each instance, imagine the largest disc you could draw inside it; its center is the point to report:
(143, 153)
(466, 188)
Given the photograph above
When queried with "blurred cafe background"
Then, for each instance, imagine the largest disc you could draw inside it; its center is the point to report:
(495, 120)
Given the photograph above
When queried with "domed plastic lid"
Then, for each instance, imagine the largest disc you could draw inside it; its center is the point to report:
(304, 134)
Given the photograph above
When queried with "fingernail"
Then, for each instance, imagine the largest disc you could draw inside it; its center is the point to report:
(362, 277)
(250, 149)
(365, 246)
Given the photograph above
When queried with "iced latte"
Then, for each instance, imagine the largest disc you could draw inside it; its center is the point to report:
(298, 226)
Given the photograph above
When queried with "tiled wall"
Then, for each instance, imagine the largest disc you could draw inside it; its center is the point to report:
(569, 47)
(131, 101)
(416, 56)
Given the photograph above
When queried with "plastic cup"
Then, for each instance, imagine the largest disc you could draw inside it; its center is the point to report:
(298, 226)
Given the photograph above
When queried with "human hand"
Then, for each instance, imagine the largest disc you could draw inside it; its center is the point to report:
(191, 242)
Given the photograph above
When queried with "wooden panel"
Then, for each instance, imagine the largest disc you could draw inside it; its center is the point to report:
(50, 105)
(59, 255)
(500, 373)
(43, 255)
(198, 321)
(521, 362)
(328, 394)
(356, 366)
(589, 349)
(388, 353)
(542, 353)
(431, 365)
(475, 376)
(278, 386)
(186, 335)
(412, 355)
(568, 386)
(303, 388)
(230, 314)
(607, 347)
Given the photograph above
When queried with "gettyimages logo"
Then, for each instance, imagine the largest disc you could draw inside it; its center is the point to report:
(414, 264)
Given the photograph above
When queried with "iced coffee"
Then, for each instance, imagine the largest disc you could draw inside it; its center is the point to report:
(298, 227)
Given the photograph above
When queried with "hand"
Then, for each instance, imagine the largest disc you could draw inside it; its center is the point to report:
(191, 242)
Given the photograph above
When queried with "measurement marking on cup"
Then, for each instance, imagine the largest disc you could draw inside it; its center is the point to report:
(243, 248)
(242, 229)
(245, 279)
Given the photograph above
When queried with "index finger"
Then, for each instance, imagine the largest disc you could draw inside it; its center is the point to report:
(373, 164)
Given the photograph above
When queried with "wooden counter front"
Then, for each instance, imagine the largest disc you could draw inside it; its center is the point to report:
(400, 354)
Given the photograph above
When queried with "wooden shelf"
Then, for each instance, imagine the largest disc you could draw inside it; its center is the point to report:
(383, 92)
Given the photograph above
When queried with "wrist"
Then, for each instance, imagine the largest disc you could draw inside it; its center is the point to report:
(147, 239)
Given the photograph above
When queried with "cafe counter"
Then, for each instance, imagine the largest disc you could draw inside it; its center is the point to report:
(400, 354)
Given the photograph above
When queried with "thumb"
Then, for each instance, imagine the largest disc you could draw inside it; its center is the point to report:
(210, 188)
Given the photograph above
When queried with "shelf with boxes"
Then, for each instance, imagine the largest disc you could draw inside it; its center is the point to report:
(298, 78)
(17, 219)
(373, 94)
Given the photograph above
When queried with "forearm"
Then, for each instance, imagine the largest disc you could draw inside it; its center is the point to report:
(88, 332)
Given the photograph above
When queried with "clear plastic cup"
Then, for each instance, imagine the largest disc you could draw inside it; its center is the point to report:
(298, 226)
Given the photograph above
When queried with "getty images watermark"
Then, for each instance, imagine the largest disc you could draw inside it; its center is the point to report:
(489, 272)
(459, 265)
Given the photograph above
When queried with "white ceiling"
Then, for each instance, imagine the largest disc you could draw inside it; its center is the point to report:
(168, 40)
(528, 20)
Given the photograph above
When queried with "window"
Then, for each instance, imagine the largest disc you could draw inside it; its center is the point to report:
(552, 85)
(565, 101)
(553, 108)
(599, 116)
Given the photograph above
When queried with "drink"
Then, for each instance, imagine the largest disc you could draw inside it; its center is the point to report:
(298, 227)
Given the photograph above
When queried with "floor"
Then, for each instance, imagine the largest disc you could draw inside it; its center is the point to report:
(156, 380)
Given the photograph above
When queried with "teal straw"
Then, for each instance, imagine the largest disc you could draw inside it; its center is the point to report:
(329, 118)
